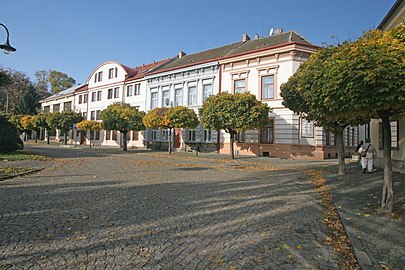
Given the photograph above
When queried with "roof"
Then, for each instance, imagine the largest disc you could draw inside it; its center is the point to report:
(391, 13)
(65, 92)
(233, 50)
(142, 70)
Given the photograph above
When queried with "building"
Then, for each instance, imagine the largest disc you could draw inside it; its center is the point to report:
(258, 66)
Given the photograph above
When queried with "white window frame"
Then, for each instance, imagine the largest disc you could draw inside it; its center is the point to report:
(154, 100)
(192, 96)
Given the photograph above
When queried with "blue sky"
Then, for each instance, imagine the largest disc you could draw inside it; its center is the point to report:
(74, 36)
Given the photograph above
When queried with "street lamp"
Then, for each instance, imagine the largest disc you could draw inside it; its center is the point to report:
(6, 47)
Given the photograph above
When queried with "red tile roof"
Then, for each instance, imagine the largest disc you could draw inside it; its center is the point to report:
(145, 68)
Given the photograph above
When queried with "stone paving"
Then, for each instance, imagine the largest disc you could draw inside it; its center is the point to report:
(378, 240)
(142, 210)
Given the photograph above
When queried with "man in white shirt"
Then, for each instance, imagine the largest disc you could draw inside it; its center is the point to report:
(367, 152)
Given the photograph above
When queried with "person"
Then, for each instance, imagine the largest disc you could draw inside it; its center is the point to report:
(357, 152)
(368, 159)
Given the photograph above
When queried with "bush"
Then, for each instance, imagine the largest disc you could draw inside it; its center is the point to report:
(9, 139)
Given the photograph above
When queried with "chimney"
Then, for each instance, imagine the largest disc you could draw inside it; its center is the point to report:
(245, 37)
(257, 36)
(181, 54)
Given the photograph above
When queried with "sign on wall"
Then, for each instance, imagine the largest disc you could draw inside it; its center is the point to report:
(307, 128)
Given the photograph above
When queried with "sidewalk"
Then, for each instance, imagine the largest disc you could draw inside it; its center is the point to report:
(378, 239)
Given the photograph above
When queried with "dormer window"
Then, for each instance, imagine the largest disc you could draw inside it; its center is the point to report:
(98, 77)
(110, 73)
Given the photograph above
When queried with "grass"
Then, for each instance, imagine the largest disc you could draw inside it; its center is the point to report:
(8, 171)
(14, 156)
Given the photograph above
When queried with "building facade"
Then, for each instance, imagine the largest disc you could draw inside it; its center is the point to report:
(258, 66)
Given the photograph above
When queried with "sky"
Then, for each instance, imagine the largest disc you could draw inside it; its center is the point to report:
(75, 36)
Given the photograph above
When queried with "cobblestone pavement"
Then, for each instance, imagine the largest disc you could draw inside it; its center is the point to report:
(142, 210)
(378, 240)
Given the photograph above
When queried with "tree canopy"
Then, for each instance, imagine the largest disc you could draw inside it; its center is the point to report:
(9, 139)
(176, 117)
(122, 117)
(64, 121)
(233, 113)
(90, 125)
(28, 102)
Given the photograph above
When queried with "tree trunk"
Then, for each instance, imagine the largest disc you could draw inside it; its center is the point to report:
(47, 136)
(387, 200)
(341, 152)
(65, 136)
(170, 140)
(124, 140)
(232, 137)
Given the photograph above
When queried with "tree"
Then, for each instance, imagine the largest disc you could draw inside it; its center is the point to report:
(28, 102)
(90, 125)
(59, 81)
(314, 92)
(41, 121)
(352, 82)
(9, 139)
(64, 121)
(13, 87)
(27, 125)
(374, 67)
(169, 118)
(42, 84)
(233, 113)
(122, 117)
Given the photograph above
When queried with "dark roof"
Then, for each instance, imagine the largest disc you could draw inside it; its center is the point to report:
(65, 92)
(233, 50)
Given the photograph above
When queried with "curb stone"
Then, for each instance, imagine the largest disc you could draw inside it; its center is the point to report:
(27, 172)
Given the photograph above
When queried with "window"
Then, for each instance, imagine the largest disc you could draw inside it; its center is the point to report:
(130, 90)
(67, 106)
(367, 131)
(192, 95)
(240, 137)
(108, 135)
(135, 135)
(128, 135)
(47, 108)
(95, 77)
(239, 86)
(110, 73)
(98, 95)
(165, 98)
(98, 114)
(114, 135)
(327, 137)
(353, 137)
(91, 135)
(100, 76)
(191, 135)
(348, 136)
(93, 115)
(116, 72)
(137, 89)
(93, 96)
(307, 128)
(268, 87)
(207, 91)
(56, 108)
(153, 135)
(207, 135)
(85, 115)
(153, 100)
(394, 135)
(85, 97)
(178, 98)
(116, 92)
(97, 134)
(110, 93)
(80, 99)
(165, 135)
(266, 134)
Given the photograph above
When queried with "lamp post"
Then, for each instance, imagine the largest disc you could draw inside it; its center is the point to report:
(168, 102)
(6, 47)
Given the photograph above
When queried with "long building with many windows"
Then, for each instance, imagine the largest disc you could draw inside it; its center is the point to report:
(258, 66)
